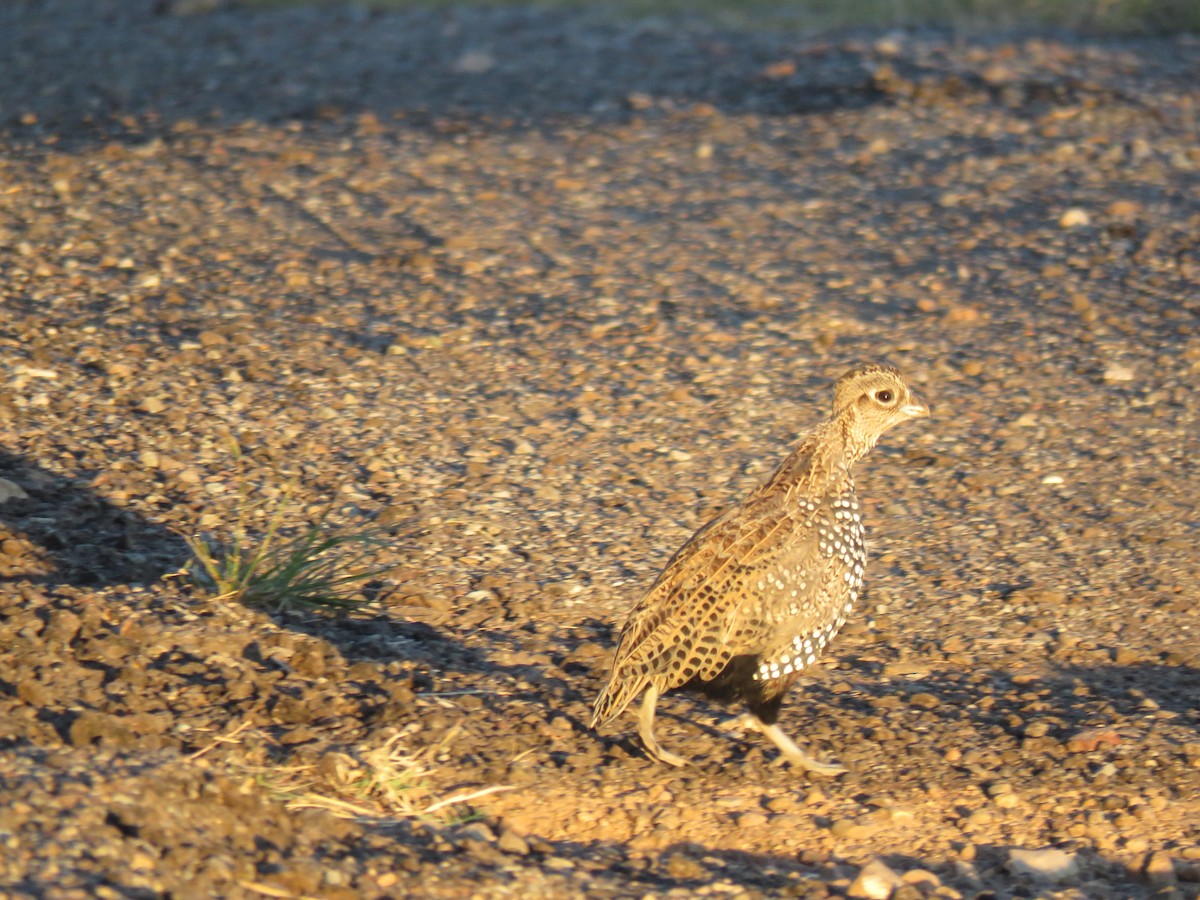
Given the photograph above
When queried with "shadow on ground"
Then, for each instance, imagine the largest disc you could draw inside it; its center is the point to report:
(508, 64)
(500, 67)
(61, 532)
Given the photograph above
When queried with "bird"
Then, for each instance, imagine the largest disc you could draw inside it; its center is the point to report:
(756, 594)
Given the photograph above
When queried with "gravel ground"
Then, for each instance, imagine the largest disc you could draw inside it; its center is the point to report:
(541, 295)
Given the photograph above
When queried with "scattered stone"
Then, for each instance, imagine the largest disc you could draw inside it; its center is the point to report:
(1159, 870)
(511, 842)
(1074, 218)
(978, 819)
(875, 881)
(425, 283)
(682, 867)
(212, 339)
(475, 62)
(849, 829)
(1124, 209)
(1118, 373)
(10, 490)
(1091, 739)
(922, 877)
(1050, 863)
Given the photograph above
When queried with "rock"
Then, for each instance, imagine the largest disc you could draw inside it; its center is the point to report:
(63, 626)
(1124, 209)
(211, 339)
(511, 842)
(683, 868)
(10, 490)
(875, 881)
(1002, 795)
(90, 727)
(1037, 728)
(1049, 863)
(1006, 801)
(966, 315)
(922, 877)
(978, 819)
(1118, 373)
(1159, 870)
(1074, 218)
(1091, 739)
(478, 831)
(849, 829)
(953, 644)
(474, 62)
(396, 514)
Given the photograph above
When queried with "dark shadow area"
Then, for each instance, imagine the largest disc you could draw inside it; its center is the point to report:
(686, 865)
(1068, 699)
(127, 58)
(158, 803)
(1143, 688)
(1073, 717)
(437, 659)
(430, 650)
(62, 532)
(130, 69)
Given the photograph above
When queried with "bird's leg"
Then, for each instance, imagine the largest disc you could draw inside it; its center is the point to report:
(788, 748)
(646, 730)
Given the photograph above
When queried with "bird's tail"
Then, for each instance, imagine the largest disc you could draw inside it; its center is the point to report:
(615, 696)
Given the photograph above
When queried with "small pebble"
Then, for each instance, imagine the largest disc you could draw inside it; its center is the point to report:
(1119, 373)
(1074, 218)
(1159, 870)
(1050, 863)
(875, 881)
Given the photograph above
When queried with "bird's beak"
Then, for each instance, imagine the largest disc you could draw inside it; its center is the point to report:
(915, 410)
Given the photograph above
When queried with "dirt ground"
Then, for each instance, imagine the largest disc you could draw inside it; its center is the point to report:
(541, 294)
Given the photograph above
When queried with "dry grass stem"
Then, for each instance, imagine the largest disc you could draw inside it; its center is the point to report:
(387, 782)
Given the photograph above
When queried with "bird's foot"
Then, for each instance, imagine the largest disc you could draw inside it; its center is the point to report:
(665, 756)
(793, 754)
(646, 731)
(813, 766)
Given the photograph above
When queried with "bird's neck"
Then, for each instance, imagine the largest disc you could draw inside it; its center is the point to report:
(822, 462)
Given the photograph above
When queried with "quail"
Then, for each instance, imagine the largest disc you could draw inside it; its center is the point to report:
(757, 594)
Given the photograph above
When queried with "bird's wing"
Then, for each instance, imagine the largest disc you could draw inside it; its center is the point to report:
(710, 602)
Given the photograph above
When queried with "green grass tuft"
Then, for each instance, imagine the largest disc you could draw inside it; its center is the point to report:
(281, 566)
(317, 568)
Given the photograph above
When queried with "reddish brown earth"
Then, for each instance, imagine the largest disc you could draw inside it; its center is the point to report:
(541, 295)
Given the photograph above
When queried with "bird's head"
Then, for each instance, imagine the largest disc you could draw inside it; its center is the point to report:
(870, 399)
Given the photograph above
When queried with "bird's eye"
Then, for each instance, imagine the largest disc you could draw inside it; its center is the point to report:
(884, 396)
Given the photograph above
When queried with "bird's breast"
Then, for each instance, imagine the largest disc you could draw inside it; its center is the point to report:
(817, 601)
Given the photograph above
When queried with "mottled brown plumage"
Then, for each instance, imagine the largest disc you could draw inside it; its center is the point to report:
(755, 595)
